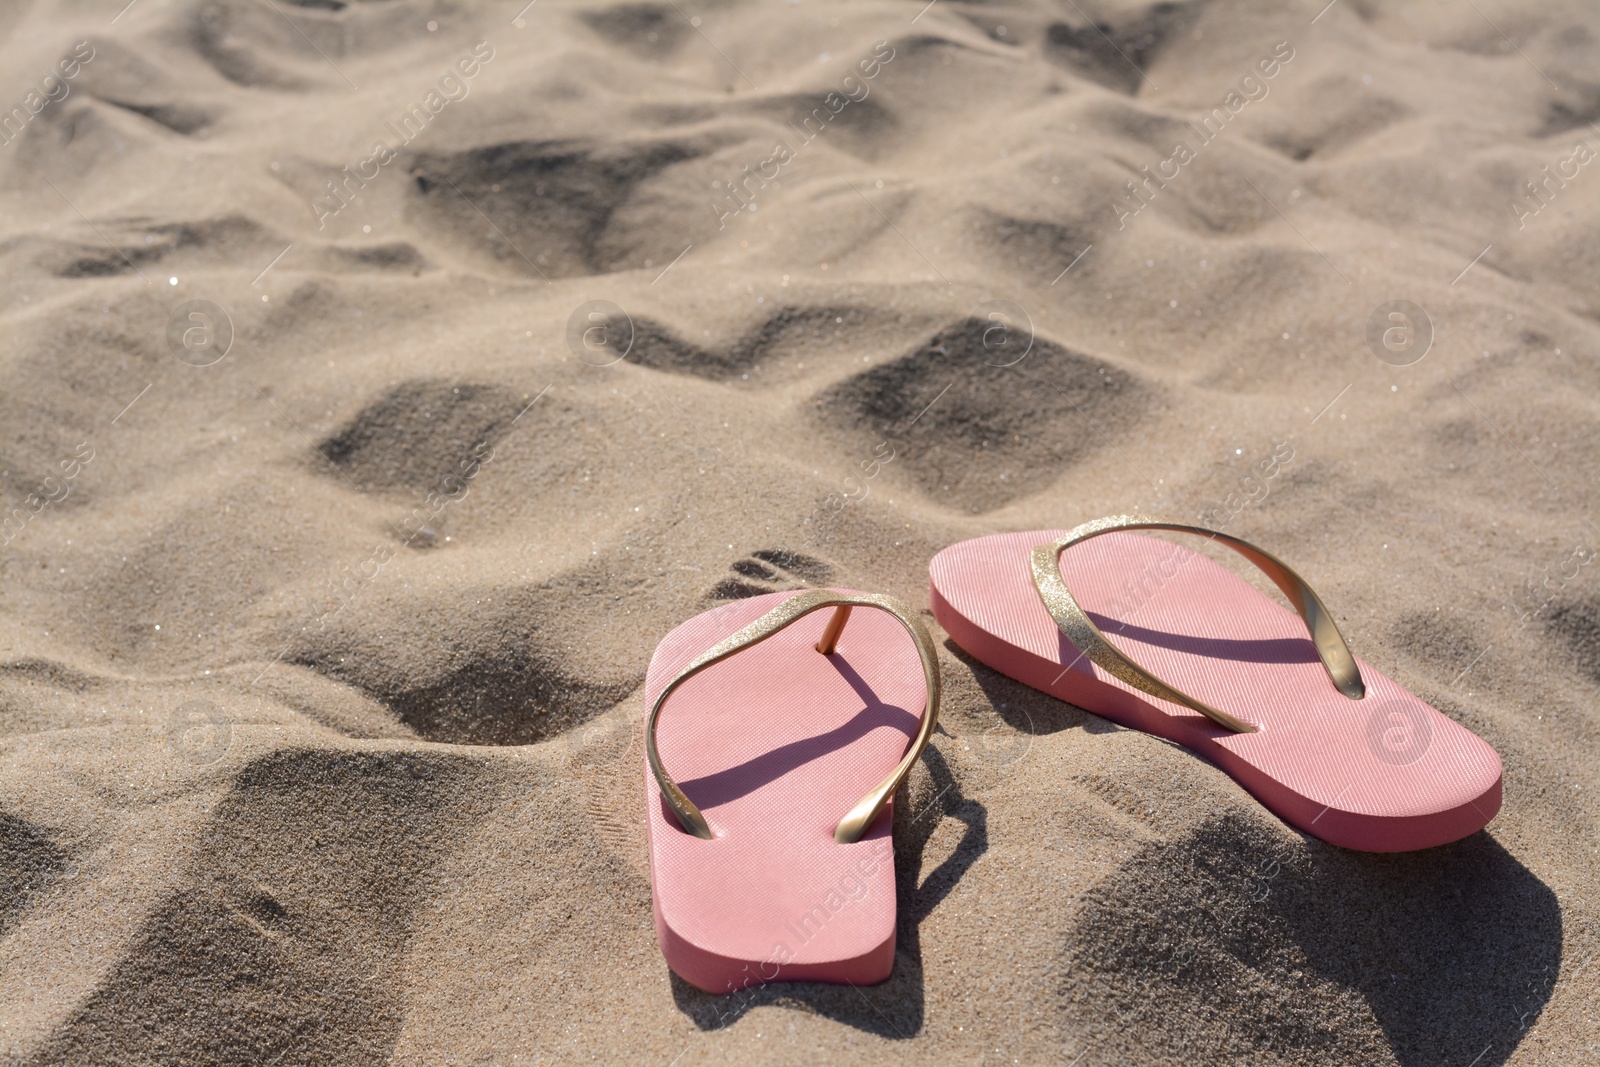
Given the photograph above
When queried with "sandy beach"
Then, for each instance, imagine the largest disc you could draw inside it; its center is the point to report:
(379, 382)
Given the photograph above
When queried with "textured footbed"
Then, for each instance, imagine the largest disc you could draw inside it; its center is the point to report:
(1386, 773)
(775, 745)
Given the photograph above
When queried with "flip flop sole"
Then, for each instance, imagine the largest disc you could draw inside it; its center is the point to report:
(1386, 773)
(774, 745)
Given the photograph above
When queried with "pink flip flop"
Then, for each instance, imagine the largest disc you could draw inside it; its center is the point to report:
(767, 863)
(1157, 637)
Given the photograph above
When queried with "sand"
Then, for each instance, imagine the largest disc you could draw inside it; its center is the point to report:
(324, 615)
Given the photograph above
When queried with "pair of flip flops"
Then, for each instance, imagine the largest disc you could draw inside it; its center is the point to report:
(788, 720)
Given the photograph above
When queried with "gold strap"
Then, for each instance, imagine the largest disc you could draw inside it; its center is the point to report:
(797, 607)
(1091, 642)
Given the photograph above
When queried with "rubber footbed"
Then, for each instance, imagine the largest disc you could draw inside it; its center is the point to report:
(775, 745)
(1383, 773)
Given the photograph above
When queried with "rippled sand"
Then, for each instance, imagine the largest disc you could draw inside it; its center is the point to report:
(324, 614)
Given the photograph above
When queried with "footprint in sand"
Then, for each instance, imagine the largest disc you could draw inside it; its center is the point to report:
(770, 570)
(973, 436)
